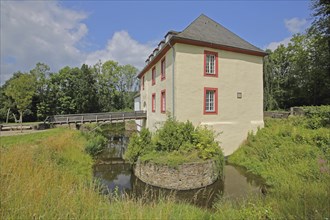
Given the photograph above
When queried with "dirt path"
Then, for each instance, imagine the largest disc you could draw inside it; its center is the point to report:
(18, 132)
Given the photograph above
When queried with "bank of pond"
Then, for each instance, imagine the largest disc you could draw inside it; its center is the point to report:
(117, 177)
(281, 172)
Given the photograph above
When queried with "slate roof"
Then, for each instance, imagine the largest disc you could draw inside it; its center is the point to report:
(206, 30)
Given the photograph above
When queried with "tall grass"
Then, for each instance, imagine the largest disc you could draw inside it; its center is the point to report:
(294, 160)
(50, 177)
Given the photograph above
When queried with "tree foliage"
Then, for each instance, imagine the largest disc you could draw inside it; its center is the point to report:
(101, 88)
(299, 73)
(21, 90)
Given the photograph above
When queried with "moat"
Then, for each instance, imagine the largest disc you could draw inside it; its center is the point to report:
(117, 176)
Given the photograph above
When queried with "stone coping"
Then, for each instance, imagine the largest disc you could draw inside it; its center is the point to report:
(192, 175)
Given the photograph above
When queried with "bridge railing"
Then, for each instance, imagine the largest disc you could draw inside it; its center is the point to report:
(96, 117)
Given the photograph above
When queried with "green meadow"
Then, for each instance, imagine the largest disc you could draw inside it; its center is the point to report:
(48, 175)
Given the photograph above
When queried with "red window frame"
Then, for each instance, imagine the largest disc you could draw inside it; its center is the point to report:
(163, 69)
(215, 112)
(215, 63)
(142, 82)
(153, 75)
(153, 102)
(163, 101)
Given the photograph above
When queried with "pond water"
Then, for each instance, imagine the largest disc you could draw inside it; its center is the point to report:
(116, 175)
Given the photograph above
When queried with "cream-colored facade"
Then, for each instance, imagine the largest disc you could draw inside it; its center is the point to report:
(237, 73)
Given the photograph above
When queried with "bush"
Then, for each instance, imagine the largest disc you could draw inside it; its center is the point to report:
(95, 144)
(138, 145)
(318, 116)
(173, 144)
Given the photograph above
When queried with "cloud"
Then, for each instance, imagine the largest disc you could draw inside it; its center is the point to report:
(39, 31)
(45, 31)
(273, 45)
(295, 25)
(123, 49)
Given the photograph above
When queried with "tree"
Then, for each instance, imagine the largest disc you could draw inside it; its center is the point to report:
(86, 93)
(321, 15)
(126, 87)
(107, 79)
(39, 102)
(21, 90)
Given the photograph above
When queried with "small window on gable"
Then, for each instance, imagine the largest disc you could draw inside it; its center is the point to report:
(153, 102)
(163, 67)
(210, 63)
(163, 101)
(153, 76)
(210, 101)
(142, 82)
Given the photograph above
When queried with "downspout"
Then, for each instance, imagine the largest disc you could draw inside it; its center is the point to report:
(173, 61)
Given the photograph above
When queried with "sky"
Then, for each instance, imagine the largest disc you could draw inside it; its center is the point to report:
(70, 33)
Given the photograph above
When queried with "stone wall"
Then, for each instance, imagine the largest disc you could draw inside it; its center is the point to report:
(184, 177)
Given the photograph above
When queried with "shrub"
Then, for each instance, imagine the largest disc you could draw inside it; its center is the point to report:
(173, 135)
(318, 116)
(138, 145)
(95, 144)
(173, 144)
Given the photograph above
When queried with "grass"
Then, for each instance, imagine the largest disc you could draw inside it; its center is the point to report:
(294, 160)
(27, 139)
(49, 176)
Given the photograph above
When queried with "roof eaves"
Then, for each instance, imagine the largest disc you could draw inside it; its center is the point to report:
(222, 46)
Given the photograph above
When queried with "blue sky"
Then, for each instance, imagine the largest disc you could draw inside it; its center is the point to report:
(61, 33)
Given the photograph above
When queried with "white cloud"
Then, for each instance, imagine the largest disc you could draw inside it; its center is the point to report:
(295, 25)
(39, 31)
(45, 31)
(123, 49)
(273, 45)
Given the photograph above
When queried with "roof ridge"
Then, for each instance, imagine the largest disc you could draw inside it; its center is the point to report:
(231, 32)
(219, 26)
(193, 22)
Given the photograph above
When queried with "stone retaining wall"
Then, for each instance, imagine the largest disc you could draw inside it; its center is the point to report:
(184, 177)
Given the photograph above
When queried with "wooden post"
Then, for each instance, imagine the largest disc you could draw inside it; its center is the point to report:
(82, 119)
(96, 118)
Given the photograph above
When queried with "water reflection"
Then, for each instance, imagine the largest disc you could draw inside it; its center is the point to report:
(113, 173)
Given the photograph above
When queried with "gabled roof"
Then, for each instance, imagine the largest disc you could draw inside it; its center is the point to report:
(207, 30)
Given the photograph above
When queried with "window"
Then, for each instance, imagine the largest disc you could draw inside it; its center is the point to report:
(210, 63)
(153, 75)
(210, 101)
(163, 67)
(153, 102)
(163, 101)
(142, 83)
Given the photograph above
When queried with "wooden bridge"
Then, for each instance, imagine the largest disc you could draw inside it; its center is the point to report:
(96, 117)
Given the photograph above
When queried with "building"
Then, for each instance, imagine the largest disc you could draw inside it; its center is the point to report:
(208, 75)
